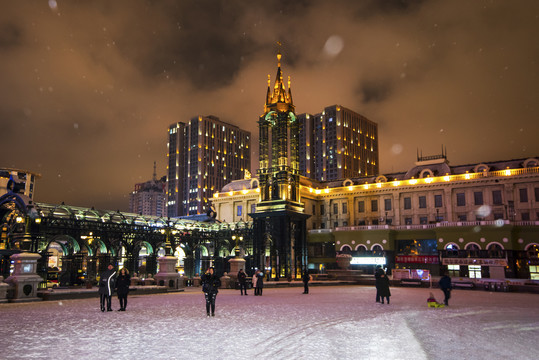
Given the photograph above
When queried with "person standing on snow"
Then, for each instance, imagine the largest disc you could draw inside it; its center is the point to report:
(377, 274)
(122, 287)
(383, 289)
(445, 285)
(210, 287)
(306, 277)
(259, 282)
(106, 287)
(242, 280)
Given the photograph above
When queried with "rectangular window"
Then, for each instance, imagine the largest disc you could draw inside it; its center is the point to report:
(478, 197)
(423, 220)
(345, 223)
(374, 205)
(387, 204)
(322, 210)
(474, 271)
(408, 221)
(525, 216)
(438, 201)
(462, 217)
(498, 216)
(335, 208)
(422, 202)
(314, 209)
(253, 208)
(238, 210)
(361, 206)
(496, 197)
(344, 208)
(523, 195)
(454, 270)
(407, 203)
(534, 272)
(461, 199)
(335, 225)
(536, 194)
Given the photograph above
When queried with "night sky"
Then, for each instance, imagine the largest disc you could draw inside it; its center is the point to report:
(88, 88)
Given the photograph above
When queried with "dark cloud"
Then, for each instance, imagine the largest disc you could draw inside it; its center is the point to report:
(10, 36)
(375, 90)
(89, 88)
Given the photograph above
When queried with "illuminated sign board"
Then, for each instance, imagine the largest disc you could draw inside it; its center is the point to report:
(368, 260)
(470, 261)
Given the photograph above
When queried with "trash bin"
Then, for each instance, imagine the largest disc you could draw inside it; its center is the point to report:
(492, 286)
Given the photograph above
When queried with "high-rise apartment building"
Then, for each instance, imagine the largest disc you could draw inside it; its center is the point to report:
(149, 198)
(336, 144)
(203, 156)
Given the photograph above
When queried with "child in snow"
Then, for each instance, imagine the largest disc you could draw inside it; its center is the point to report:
(431, 302)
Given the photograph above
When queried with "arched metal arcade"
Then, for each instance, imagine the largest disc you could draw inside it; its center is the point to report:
(77, 243)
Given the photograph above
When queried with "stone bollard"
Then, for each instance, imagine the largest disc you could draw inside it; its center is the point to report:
(225, 281)
(196, 280)
(167, 275)
(3, 290)
(135, 280)
(149, 281)
(24, 278)
(181, 282)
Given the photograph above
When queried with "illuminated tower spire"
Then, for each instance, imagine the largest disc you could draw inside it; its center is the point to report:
(279, 221)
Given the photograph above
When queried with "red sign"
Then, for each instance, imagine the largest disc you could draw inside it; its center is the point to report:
(417, 259)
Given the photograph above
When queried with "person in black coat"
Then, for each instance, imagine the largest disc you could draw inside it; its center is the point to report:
(259, 275)
(106, 287)
(122, 287)
(377, 274)
(383, 289)
(445, 285)
(242, 280)
(306, 277)
(210, 287)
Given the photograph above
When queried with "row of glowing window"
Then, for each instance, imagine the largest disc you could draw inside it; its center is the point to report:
(379, 185)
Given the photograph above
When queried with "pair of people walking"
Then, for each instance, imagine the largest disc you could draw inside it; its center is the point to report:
(110, 281)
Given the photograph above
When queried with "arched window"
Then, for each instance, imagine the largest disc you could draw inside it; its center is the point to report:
(473, 250)
(452, 250)
(377, 250)
(345, 249)
(361, 250)
(495, 250)
(425, 173)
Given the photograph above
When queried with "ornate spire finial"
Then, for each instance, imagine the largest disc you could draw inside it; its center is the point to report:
(279, 54)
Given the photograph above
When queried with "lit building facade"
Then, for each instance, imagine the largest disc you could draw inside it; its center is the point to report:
(24, 181)
(149, 198)
(203, 156)
(476, 221)
(336, 144)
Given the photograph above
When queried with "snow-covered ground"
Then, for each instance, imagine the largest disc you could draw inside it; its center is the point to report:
(332, 322)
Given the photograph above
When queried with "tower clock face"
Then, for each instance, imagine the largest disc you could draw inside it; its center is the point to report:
(292, 117)
(270, 117)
